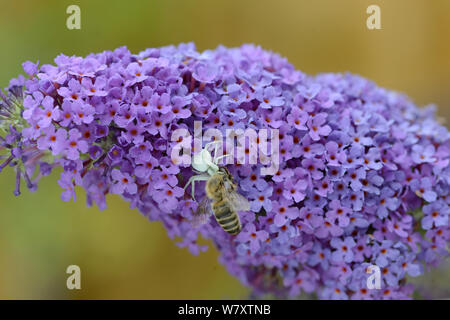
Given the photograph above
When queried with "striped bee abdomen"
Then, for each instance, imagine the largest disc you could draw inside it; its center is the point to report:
(227, 217)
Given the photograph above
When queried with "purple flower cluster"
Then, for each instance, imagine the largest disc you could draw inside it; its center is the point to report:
(363, 177)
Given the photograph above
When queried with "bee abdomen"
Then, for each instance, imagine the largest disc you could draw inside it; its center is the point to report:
(227, 218)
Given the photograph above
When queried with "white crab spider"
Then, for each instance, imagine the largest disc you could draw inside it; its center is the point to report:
(205, 165)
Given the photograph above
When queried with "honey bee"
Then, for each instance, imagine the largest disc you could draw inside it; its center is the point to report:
(222, 199)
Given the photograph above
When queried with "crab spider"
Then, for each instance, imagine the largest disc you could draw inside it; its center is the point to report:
(205, 165)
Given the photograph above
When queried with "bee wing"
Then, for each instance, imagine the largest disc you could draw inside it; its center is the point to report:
(203, 212)
(239, 202)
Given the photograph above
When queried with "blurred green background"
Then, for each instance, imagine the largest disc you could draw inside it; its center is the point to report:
(121, 254)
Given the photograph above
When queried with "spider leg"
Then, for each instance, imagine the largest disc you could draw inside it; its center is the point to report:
(215, 152)
(209, 161)
(192, 180)
(216, 160)
(211, 143)
(216, 142)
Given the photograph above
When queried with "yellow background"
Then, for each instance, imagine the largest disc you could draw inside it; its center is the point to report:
(121, 254)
